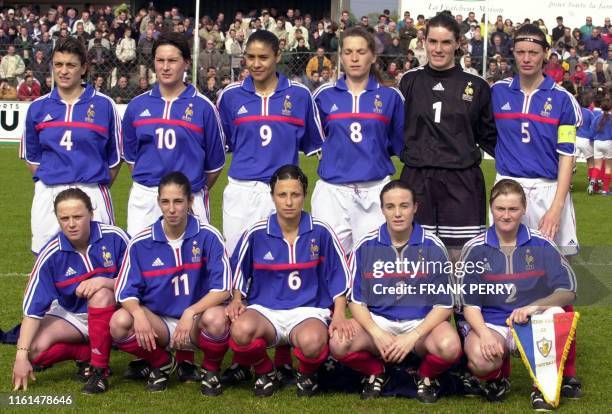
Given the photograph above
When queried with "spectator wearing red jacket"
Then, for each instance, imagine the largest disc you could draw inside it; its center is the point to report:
(28, 90)
(554, 69)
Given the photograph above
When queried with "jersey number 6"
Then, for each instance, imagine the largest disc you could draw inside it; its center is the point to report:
(294, 280)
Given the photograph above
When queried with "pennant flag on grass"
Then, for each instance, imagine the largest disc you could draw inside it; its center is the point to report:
(544, 343)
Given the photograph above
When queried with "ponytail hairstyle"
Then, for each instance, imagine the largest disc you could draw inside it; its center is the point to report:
(606, 105)
(357, 31)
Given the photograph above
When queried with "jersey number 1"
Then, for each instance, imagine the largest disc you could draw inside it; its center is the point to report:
(437, 107)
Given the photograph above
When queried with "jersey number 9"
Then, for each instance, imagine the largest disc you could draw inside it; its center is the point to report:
(176, 281)
(265, 133)
(165, 139)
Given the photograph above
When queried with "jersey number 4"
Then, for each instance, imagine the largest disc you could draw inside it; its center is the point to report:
(66, 140)
(177, 280)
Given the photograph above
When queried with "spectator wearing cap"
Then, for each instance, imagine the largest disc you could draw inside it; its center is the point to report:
(10, 21)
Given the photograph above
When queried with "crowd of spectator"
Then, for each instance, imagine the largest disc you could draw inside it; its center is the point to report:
(120, 43)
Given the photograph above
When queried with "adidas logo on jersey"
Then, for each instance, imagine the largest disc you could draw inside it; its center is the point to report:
(268, 256)
(438, 87)
(242, 110)
(157, 263)
(145, 113)
(506, 107)
(47, 118)
(70, 272)
(334, 108)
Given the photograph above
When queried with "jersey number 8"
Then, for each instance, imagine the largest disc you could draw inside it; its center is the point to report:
(356, 135)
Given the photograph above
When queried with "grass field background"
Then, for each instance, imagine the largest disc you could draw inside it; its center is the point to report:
(593, 266)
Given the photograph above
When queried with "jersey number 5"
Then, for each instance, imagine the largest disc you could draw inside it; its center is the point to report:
(525, 137)
(165, 139)
(176, 281)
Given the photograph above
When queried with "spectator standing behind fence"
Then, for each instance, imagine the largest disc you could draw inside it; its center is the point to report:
(40, 66)
(144, 52)
(237, 51)
(12, 66)
(121, 92)
(99, 58)
(126, 53)
(29, 89)
(209, 58)
(317, 63)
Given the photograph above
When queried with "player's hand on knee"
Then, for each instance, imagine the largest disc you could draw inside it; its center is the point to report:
(401, 347)
(88, 288)
(182, 334)
(235, 309)
(342, 328)
(490, 347)
(145, 334)
(550, 223)
(21, 371)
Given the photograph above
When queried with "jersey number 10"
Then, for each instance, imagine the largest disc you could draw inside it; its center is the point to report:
(165, 138)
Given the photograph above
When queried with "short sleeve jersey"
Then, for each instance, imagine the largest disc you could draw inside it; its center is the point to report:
(271, 272)
(183, 134)
(498, 282)
(400, 285)
(167, 279)
(265, 133)
(59, 269)
(362, 131)
(528, 143)
(72, 143)
(585, 129)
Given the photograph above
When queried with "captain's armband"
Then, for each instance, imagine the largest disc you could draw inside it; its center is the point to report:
(566, 134)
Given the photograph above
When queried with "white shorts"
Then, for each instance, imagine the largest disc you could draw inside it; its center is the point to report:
(43, 220)
(78, 320)
(352, 210)
(171, 324)
(396, 327)
(584, 147)
(143, 209)
(502, 330)
(244, 203)
(284, 321)
(602, 149)
(540, 194)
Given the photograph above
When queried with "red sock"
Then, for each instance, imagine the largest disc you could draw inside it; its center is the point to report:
(184, 355)
(156, 358)
(570, 362)
(606, 182)
(62, 351)
(254, 354)
(493, 375)
(506, 368)
(432, 366)
(310, 365)
(363, 362)
(100, 340)
(214, 351)
(282, 355)
(593, 173)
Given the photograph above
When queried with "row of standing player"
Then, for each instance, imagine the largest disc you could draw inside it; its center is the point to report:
(440, 140)
(190, 311)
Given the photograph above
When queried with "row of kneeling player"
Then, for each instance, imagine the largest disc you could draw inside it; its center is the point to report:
(287, 284)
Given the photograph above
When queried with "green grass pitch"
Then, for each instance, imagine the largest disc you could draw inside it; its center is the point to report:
(594, 265)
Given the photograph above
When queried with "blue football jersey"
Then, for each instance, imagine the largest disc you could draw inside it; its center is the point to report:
(601, 132)
(271, 272)
(72, 143)
(362, 131)
(585, 129)
(402, 285)
(59, 269)
(504, 282)
(184, 134)
(528, 145)
(265, 133)
(168, 279)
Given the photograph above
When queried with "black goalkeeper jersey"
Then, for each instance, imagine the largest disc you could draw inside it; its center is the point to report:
(448, 115)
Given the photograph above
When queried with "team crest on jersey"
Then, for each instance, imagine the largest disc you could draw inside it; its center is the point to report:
(544, 346)
(188, 113)
(107, 257)
(529, 260)
(314, 249)
(378, 105)
(547, 107)
(91, 113)
(468, 92)
(287, 105)
(196, 253)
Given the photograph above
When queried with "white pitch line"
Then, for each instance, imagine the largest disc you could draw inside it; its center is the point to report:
(14, 274)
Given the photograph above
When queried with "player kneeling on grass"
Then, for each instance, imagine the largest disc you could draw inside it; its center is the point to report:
(289, 271)
(399, 310)
(76, 268)
(172, 282)
(535, 277)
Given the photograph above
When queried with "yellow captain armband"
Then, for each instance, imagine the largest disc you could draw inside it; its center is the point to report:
(566, 134)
